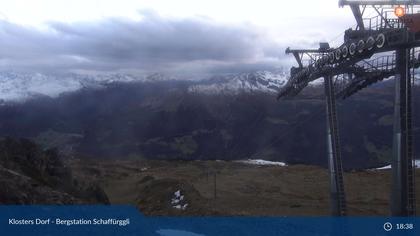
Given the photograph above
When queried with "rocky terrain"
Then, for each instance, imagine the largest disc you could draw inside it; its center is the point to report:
(30, 175)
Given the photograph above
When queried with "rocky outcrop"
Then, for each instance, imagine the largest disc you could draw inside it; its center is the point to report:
(30, 175)
(16, 188)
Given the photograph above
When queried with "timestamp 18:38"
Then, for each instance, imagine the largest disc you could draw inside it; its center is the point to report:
(404, 226)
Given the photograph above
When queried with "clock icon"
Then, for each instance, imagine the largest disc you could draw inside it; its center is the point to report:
(387, 226)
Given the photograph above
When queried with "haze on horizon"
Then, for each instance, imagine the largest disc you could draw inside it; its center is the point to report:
(182, 36)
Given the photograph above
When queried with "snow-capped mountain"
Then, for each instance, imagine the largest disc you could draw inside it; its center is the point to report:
(22, 86)
(260, 81)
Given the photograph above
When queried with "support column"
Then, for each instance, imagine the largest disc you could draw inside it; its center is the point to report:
(402, 196)
(337, 196)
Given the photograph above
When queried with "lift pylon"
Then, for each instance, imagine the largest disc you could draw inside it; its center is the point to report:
(393, 29)
(337, 195)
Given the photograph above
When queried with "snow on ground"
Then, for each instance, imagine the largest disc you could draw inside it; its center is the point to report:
(383, 168)
(417, 163)
(178, 201)
(261, 162)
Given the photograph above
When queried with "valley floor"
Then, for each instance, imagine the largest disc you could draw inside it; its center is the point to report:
(188, 188)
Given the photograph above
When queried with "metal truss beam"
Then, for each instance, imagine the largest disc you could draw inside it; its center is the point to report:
(358, 16)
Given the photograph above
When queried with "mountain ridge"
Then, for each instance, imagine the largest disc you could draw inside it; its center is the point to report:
(19, 87)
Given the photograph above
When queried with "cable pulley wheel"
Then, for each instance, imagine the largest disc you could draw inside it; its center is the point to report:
(380, 41)
(337, 54)
(352, 49)
(344, 51)
(360, 46)
(331, 57)
(370, 42)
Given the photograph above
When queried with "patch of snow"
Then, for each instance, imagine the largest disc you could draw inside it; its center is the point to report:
(181, 207)
(175, 201)
(416, 163)
(178, 201)
(261, 162)
(383, 168)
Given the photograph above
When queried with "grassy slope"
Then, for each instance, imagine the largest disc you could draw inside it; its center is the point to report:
(242, 189)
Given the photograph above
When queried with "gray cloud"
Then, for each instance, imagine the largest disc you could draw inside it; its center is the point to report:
(152, 44)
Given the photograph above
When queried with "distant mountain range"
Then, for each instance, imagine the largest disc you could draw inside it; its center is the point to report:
(22, 86)
(260, 81)
(232, 117)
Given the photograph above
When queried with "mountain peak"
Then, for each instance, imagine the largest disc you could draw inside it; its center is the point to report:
(258, 81)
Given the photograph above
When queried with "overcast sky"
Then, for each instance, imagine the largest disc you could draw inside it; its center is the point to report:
(170, 36)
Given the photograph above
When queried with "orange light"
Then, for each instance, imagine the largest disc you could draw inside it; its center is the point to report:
(399, 11)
